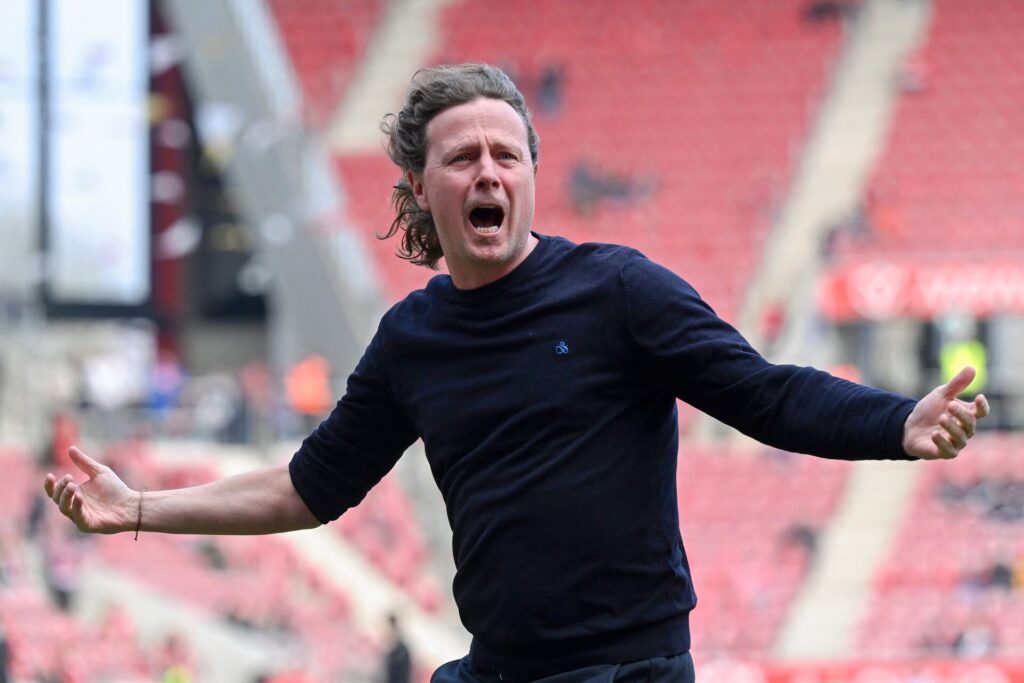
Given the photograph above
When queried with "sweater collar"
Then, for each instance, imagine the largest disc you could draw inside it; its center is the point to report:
(518, 280)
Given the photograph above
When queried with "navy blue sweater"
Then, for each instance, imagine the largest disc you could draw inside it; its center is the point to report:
(546, 402)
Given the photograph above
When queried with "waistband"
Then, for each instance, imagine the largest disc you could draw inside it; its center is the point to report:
(664, 639)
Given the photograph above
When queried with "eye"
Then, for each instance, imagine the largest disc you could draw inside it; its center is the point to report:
(508, 156)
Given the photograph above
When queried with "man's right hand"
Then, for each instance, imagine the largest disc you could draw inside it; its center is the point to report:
(101, 504)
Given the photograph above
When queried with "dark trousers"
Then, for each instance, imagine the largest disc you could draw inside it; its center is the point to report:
(676, 669)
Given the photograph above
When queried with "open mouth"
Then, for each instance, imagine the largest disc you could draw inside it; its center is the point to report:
(487, 219)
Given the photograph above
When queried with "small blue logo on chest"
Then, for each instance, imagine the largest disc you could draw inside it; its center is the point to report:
(562, 348)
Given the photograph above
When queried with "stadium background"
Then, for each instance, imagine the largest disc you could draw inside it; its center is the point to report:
(189, 193)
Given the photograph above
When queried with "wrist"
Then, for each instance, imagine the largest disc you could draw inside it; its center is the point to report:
(132, 509)
(906, 431)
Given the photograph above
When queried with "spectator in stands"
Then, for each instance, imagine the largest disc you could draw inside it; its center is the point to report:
(166, 382)
(982, 575)
(397, 660)
(542, 377)
(590, 186)
(62, 557)
(255, 381)
(174, 661)
(937, 637)
(308, 386)
(993, 497)
(550, 88)
(1000, 575)
(802, 536)
(829, 10)
(35, 517)
(5, 656)
(976, 639)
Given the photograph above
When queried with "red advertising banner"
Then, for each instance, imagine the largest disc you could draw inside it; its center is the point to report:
(938, 671)
(882, 290)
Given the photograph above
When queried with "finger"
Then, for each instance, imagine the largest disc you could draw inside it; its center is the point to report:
(964, 416)
(83, 462)
(946, 449)
(76, 505)
(65, 498)
(49, 483)
(981, 408)
(961, 381)
(954, 431)
(59, 487)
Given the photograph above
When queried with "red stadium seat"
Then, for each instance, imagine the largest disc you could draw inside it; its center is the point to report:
(709, 108)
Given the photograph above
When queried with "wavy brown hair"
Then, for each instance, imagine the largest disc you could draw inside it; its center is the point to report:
(432, 91)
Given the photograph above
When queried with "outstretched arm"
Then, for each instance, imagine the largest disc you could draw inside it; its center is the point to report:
(941, 424)
(259, 502)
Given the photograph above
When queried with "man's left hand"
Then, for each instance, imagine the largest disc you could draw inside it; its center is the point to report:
(941, 424)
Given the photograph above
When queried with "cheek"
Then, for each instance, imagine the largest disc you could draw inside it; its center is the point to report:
(444, 198)
(526, 200)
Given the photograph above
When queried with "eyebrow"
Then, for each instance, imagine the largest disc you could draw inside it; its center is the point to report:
(502, 142)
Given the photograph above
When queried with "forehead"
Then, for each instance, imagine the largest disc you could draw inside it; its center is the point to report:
(494, 119)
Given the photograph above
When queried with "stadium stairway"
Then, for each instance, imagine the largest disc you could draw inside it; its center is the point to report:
(835, 167)
(405, 38)
(435, 638)
(824, 617)
(228, 653)
(249, 118)
(836, 164)
(23, 419)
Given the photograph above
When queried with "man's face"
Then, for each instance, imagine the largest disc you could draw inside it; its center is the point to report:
(478, 184)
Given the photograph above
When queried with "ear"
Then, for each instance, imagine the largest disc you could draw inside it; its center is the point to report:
(416, 183)
(535, 168)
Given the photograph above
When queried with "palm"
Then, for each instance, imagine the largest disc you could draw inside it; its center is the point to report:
(105, 497)
(101, 504)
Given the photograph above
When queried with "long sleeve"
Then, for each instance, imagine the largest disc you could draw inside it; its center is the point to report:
(357, 444)
(708, 364)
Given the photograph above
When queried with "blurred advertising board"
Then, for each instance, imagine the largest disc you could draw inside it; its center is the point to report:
(883, 289)
(98, 152)
(924, 671)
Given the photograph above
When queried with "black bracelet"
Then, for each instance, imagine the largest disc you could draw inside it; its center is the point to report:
(138, 524)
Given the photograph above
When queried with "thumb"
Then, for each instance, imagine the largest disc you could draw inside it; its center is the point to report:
(84, 463)
(961, 381)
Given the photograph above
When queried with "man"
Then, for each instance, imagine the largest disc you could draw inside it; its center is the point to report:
(397, 660)
(542, 378)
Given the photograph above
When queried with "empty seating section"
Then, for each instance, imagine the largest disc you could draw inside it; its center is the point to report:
(44, 640)
(749, 521)
(385, 529)
(695, 109)
(41, 638)
(367, 180)
(954, 579)
(325, 41)
(222, 574)
(257, 583)
(951, 179)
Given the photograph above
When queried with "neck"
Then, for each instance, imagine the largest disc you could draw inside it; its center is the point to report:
(472, 278)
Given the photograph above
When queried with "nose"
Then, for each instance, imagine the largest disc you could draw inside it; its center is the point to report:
(487, 175)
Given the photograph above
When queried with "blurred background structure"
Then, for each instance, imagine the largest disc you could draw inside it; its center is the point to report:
(189, 196)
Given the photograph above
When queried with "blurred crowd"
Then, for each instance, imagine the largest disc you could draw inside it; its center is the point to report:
(113, 397)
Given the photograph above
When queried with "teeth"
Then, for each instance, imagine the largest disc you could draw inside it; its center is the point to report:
(487, 218)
